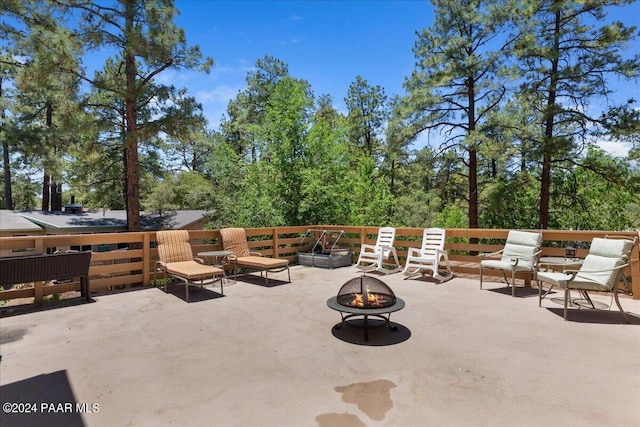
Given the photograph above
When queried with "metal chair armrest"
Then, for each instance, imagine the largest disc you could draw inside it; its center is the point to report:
(491, 254)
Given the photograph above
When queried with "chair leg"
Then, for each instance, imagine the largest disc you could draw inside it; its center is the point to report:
(165, 280)
(567, 295)
(615, 295)
(480, 275)
(513, 283)
(539, 293)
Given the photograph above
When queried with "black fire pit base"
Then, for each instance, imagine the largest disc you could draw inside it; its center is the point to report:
(365, 313)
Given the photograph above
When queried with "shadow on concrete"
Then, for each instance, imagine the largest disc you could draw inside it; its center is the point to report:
(15, 310)
(352, 332)
(521, 292)
(428, 279)
(255, 279)
(196, 293)
(605, 317)
(47, 400)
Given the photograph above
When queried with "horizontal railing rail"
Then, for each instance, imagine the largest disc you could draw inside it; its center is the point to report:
(123, 260)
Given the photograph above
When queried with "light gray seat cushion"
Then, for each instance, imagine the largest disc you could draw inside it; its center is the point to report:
(520, 245)
(598, 271)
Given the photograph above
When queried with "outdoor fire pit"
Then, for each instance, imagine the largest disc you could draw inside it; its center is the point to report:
(366, 296)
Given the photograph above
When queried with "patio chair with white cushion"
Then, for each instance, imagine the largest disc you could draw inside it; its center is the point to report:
(176, 260)
(602, 270)
(520, 253)
(383, 253)
(428, 256)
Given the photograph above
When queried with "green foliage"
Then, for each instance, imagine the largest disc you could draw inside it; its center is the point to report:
(25, 193)
(511, 203)
(326, 176)
(497, 141)
(567, 50)
(460, 80)
(367, 113)
(451, 217)
(589, 201)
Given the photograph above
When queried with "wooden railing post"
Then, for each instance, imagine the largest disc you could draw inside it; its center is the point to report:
(635, 270)
(276, 245)
(146, 259)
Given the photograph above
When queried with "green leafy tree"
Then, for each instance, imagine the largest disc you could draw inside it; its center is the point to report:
(418, 201)
(368, 111)
(622, 123)
(589, 201)
(45, 101)
(327, 173)
(150, 43)
(460, 79)
(395, 149)
(247, 111)
(284, 133)
(567, 50)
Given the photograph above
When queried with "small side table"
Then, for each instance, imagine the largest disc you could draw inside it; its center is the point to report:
(219, 259)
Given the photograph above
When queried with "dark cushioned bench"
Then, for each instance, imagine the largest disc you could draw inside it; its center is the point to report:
(41, 268)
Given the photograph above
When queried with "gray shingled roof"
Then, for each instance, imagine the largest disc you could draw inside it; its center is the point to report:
(14, 223)
(112, 219)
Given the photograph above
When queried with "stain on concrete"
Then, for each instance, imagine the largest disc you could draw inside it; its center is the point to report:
(12, 334)
(373, 397)
(339, 420)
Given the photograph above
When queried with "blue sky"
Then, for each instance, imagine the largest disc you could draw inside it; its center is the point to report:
(327, 43)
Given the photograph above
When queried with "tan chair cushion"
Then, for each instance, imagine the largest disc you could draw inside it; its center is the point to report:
(192, 270)
(235, 240)
(262, 263)
(174, 246)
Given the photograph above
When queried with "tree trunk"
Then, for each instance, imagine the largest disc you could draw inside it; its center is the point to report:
(545, 184)
(46, 192)
(473, 188)
(56, 197)
(473, 155)
(48, 186)
(8, 197)
(131, 137)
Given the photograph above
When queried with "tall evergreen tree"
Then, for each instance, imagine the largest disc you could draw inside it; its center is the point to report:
(368, 112)
(150, 43)
(567, 50)
(246, 112)
(458, 80)
(45, 100)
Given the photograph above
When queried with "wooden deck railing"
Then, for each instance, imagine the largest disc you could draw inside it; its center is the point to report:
(122, 260)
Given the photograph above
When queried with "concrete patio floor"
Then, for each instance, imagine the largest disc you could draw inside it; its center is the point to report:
(268, 356)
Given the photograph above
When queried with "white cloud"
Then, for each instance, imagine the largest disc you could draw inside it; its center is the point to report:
(615, 148)
(219, 95)
(172, 77)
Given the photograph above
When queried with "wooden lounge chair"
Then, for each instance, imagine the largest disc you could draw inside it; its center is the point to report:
(235, 240)
(176, 260)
